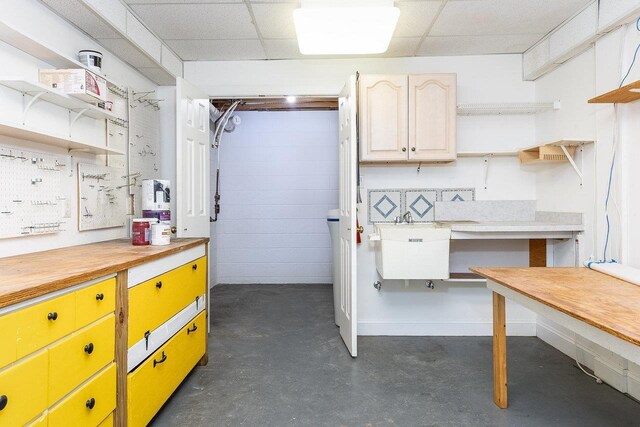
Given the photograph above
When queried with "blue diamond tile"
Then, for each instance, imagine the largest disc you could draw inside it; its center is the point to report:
(388, 207)
(457, 198)
(421, 206)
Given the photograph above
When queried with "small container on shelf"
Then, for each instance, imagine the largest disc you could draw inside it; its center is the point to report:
(141, 231)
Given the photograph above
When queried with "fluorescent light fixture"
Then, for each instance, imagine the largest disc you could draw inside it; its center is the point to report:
(342, 27)
(291, 99)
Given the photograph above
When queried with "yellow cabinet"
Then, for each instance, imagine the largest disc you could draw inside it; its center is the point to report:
(151, 384)
(407, 118)
(8, 327)
(44, 323)
(23, 390)
(90, 404)
(157, 300)
(95, 301)
(107, 422)
(77, 357)
(41, 421)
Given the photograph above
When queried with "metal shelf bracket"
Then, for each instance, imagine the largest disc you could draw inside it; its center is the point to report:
(75, 119)
(573, 163)
(34, 99)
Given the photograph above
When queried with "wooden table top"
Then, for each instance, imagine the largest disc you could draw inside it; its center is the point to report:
(23, 277)
(597, 299)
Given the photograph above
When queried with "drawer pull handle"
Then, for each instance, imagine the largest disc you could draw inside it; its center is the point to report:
(159, 284)
(3, 401)
(90, 403)
(52, 316)
(195, 328)
(88, 348)
(99, 297)
(194, 267)
(157, 362)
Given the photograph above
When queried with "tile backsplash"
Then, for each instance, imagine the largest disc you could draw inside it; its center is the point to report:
(386, 204)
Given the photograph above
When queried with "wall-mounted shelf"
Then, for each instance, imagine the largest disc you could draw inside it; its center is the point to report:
(506, 108)
(554, 152)
(625, 94)
(41, 92)
(476, 154)
(22, 132)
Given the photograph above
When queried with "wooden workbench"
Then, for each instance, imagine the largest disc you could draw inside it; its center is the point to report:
(28, 276)
(599, 307)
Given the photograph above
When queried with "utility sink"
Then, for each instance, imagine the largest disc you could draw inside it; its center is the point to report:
(412, 251)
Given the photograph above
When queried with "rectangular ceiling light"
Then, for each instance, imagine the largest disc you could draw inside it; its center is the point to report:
(343, 27)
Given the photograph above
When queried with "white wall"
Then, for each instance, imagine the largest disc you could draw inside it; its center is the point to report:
(457, 309)
(33, 18)
(279, 176)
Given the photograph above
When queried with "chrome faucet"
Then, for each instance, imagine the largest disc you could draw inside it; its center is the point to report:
(407, 217)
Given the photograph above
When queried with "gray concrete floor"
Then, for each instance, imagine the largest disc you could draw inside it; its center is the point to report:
(276, 359)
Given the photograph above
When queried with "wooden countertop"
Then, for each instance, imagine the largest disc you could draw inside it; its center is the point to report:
(23, 277)
(597, 299)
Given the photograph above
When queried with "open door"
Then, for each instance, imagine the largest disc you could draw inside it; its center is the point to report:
(347, 318)
(192, 161)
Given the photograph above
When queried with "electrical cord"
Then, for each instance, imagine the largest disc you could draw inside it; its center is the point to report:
(598, 380)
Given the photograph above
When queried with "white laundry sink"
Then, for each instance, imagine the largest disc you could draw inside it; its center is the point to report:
(412, 251)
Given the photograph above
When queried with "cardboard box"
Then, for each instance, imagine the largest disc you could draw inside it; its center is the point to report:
(80, 83)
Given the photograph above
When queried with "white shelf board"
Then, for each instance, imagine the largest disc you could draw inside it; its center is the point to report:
(22, 132)
(487, 154)
(505, 108)
(567, 142)
(58, 98)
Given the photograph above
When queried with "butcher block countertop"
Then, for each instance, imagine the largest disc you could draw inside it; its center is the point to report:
(602, 301)
(23, 277)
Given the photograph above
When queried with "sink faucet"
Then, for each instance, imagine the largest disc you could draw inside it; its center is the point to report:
(407, 217)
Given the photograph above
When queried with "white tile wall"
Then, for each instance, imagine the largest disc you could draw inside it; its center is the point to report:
(279, 177)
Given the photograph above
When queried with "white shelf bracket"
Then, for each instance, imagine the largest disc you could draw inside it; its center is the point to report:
(487, 162)
(573, 163)
(34, 99)
(75, 119)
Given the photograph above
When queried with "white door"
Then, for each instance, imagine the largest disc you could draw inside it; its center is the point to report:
(347, 318)
(192, 161)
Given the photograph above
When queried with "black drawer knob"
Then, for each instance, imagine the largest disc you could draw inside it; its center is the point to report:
(162, 359)
(195, 328)
(52, 316)
(3, 401)
(90, 403)
(159, 284)
(99, 297)
(194, 267)
(88, 348)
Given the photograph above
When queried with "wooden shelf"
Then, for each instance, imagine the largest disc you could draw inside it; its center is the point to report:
(22, 132)
(54, 97)
(625, 94)
(551, 151)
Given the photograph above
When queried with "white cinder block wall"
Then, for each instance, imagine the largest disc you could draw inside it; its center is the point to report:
(279, 177)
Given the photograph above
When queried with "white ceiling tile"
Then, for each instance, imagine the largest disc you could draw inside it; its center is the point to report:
(197, 21)
(217, 50)
(127, 52)
(402, 46)
(415, 17)
(82, 18)
(492, 17)
(275, 21)
(477, 45)
(283, 49)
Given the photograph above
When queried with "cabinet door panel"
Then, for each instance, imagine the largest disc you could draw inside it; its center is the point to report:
(383, 117)
(432, 117)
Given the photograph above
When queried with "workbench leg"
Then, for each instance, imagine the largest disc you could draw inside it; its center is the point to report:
(499, 351)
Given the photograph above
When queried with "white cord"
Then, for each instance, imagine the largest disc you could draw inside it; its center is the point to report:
(598, 380)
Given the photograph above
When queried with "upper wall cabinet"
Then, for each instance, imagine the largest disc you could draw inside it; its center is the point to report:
(407, 118)
(383, 112)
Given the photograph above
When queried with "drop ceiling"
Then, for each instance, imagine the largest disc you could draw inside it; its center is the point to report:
(263, 29)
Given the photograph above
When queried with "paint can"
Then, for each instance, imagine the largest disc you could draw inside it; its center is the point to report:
(92, 59)
(160, 234)
(141, 231)
(156, 195)
(162, 216)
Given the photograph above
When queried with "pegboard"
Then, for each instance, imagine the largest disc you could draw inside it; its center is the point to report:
(32, 194)
(144, 143)
(102, 197)
(118, 129)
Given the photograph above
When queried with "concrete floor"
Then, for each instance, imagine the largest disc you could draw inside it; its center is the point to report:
(276, 359)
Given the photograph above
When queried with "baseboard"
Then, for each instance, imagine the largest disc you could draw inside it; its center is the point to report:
(381, 328)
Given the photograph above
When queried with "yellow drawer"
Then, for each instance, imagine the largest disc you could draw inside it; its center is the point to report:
(23, 390)
(95, 301)
(90, 404)
(44, 323)
(41, 421)
(8, 327)
(77, 357)
(108, 422)
(151, 384)
(155, 301)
